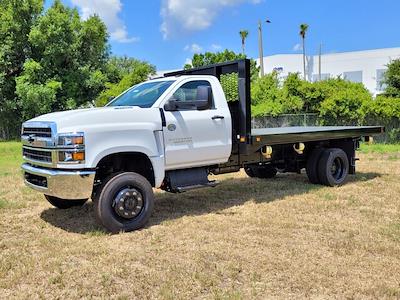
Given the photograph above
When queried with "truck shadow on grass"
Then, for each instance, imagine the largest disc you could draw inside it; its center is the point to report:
(231, 192)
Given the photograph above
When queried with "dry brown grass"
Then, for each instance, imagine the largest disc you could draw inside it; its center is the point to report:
(247, 238)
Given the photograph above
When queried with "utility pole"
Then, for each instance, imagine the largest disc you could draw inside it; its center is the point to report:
(260, 48)
(260, 45)
(320, 62)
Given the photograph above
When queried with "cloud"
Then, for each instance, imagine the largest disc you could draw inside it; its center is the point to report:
(108, 11)
(297, 47)
(188, 61)
(180, 16)
(194, 48)
(216, 47)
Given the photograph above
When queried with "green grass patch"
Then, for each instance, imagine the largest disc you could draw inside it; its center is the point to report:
(380, 148)
(393, 231)
(10, 157)
(11, 205)
(96, 232)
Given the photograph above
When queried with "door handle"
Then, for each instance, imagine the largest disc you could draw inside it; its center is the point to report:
(218, 118)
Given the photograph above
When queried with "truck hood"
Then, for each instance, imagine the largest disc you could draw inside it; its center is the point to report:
(82, 119)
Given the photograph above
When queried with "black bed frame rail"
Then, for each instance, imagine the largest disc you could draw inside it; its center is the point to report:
(241, 110)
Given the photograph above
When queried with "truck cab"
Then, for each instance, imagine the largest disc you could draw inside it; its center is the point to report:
(170, 133)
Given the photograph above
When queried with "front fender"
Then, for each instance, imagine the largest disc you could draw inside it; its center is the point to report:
(147, 142)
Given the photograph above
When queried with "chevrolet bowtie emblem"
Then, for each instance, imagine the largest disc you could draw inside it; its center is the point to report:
(31, 138)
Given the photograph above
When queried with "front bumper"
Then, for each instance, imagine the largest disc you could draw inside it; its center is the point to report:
(62, 184)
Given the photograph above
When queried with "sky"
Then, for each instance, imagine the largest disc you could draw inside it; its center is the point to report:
(167, 33)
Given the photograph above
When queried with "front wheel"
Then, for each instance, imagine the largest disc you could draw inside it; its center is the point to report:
(64, 203)
(125, 202)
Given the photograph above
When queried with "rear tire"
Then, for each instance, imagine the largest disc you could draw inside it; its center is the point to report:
(333, 167)
(63, 203)
(249, 171)
(124, 203)
(264, 172)
(312, 165)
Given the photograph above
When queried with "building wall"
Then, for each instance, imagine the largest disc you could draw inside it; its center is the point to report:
(365, 66)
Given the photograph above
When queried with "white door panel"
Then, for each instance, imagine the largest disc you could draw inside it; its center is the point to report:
(192, 138)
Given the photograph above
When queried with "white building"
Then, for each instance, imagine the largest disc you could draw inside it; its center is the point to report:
(367, 66)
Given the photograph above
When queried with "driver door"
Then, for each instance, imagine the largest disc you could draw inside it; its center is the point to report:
(196, 137)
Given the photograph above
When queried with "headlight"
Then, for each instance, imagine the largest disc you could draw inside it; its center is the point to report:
(71, 156)
(73, 139)
(72, 148)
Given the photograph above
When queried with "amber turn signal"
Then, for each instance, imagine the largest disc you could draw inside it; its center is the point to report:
(78, 156)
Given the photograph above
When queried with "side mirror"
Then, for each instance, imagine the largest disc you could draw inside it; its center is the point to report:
(171, 105)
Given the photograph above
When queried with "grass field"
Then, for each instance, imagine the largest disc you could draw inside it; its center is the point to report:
(245, 239)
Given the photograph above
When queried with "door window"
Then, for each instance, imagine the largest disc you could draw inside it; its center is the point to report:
(188, 91)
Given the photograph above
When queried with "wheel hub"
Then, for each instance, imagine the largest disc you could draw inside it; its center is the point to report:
(337, 169)
(128, 203)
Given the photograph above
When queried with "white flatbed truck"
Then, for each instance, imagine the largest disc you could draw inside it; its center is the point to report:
(171, 133)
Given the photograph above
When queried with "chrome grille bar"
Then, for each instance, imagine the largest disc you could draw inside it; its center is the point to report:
(37, 131)
(37, 155)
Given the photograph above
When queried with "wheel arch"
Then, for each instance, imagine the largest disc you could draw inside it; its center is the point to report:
(126, 161)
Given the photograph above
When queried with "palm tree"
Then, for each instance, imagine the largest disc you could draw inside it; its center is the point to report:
(303, 32)
(243, 34)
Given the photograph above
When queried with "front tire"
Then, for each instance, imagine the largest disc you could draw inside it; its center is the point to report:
(63, 203)
(125, 202)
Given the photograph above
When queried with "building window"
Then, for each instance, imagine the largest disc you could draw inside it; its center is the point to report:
(324, 76)
(380, 77)
(356, 76)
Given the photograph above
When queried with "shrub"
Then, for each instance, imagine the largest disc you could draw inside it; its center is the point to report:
(344, 108)
(392, 79)
(267, 96)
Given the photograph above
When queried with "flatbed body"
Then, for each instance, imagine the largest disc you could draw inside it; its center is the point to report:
(289, 135)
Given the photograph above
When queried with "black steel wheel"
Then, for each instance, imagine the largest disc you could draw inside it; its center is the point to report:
(125, 202)
(333, 167)
(312, 165)
(64, 203)
(265, 172)
(249, 170)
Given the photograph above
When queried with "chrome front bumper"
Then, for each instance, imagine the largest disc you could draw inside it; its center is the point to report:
(62, 184)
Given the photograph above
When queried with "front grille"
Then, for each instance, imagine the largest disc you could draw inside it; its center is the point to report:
(37, 155)
(37, 131)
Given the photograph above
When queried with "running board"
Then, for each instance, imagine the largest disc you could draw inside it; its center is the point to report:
(183, 189)
(179, 181)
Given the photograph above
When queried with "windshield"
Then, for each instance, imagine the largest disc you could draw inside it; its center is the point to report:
(143, 95)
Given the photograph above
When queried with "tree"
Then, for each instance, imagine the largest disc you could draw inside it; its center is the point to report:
(123, 73)
(209, 58)
(66, 68)
(293, 94)
(392, 79)
(243, 35)
(303, 32)
(267, 96)
(345, 107)
(16, 20)
(229, 82)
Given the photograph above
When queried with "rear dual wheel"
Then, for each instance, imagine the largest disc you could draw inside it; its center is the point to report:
(264, 172)
(329, 167)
